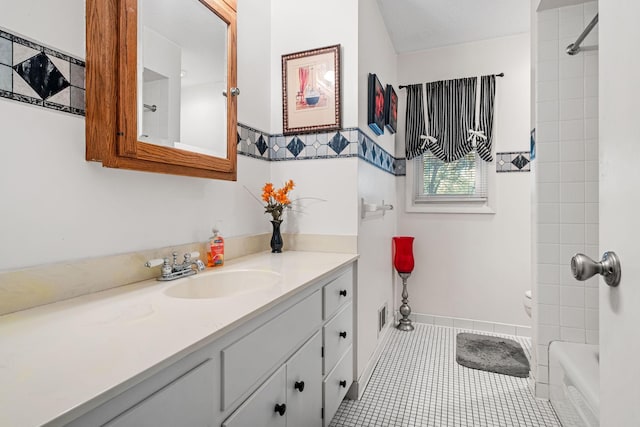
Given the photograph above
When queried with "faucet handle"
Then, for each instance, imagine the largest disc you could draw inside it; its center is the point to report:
(154, 262)
(190, 255)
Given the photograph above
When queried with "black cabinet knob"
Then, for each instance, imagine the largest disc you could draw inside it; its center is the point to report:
(299, 385)
(343, 334)
(281, 409)
(343, 292)
(343, 383)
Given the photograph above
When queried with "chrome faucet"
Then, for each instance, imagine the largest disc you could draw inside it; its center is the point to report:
(174, 270)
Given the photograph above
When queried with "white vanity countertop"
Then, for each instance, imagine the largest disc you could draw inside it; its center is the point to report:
(56, 358)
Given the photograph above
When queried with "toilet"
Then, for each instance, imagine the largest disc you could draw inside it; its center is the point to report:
(527, 302)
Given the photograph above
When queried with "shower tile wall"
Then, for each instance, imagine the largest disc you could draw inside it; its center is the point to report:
(566, 182)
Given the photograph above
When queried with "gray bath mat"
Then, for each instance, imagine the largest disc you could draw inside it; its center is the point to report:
(493, 354)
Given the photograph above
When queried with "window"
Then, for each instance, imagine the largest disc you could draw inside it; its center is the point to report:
(460, 186)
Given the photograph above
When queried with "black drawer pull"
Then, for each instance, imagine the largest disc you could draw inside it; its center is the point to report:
(299, 385)
(343, 334)
(343, 292)
(343, 384)
(281, 409)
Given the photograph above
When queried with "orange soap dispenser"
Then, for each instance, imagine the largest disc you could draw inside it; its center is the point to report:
(215, 250)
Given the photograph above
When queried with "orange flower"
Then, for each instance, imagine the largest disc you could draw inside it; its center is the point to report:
(277, 200)
(281, 197)
(267, 192)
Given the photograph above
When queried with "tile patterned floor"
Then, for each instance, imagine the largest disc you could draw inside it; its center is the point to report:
(417, 383)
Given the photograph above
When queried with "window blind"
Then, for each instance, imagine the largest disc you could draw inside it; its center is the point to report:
(461, 180)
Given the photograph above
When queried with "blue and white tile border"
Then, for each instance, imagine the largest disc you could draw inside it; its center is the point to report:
(348, 142)
(68, 97)
(513, 161)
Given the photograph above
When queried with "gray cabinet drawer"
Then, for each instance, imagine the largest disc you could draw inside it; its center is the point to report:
(336, 385)
(246, 361)
(338, 335)
(337, 292)
(188, 401)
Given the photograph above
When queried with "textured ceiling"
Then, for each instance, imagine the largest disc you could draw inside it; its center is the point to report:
(415, 25)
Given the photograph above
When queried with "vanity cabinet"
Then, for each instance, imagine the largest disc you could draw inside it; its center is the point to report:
(245, 361)
(291, 366)
(291, 396)
(324, 365)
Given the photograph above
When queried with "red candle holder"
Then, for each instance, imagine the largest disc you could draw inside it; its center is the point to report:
(403, 254)
(404, 263)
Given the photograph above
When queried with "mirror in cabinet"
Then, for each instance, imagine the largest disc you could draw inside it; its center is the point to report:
(158, 75)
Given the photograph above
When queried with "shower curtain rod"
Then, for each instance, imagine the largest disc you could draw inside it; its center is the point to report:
(497, 75)
(574, 48)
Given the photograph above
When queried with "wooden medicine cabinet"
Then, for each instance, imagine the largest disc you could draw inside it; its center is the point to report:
(161, 86)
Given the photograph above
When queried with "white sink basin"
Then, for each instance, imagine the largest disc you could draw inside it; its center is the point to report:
(223, 284)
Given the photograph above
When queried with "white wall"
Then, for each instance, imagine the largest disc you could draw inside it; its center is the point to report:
(566, 179)
(57, 206)
(471, 265)
(375, 55)
(298, 26)
(325, 193)
(375, 275)
(254, 59)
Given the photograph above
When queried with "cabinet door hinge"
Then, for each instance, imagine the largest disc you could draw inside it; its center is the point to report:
(322, 351)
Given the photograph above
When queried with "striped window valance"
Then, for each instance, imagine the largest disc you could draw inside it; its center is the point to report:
(458, 120)
(415, 122)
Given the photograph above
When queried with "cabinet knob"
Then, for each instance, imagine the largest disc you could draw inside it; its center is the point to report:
(343, 292)
(299, 385)
(343, 384)
(343, 334)
(281, 409)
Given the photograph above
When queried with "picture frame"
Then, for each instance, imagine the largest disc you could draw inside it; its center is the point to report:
(311, 94)
(390, 109)
(375, 106)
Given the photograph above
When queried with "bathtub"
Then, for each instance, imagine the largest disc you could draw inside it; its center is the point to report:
(574, 383)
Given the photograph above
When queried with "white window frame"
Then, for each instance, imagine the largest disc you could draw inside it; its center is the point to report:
(416, 201)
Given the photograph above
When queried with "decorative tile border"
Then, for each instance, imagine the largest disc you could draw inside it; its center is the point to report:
(348, 142)
(38, 75)
(513, 161)
(253, 142)
(372, 153)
